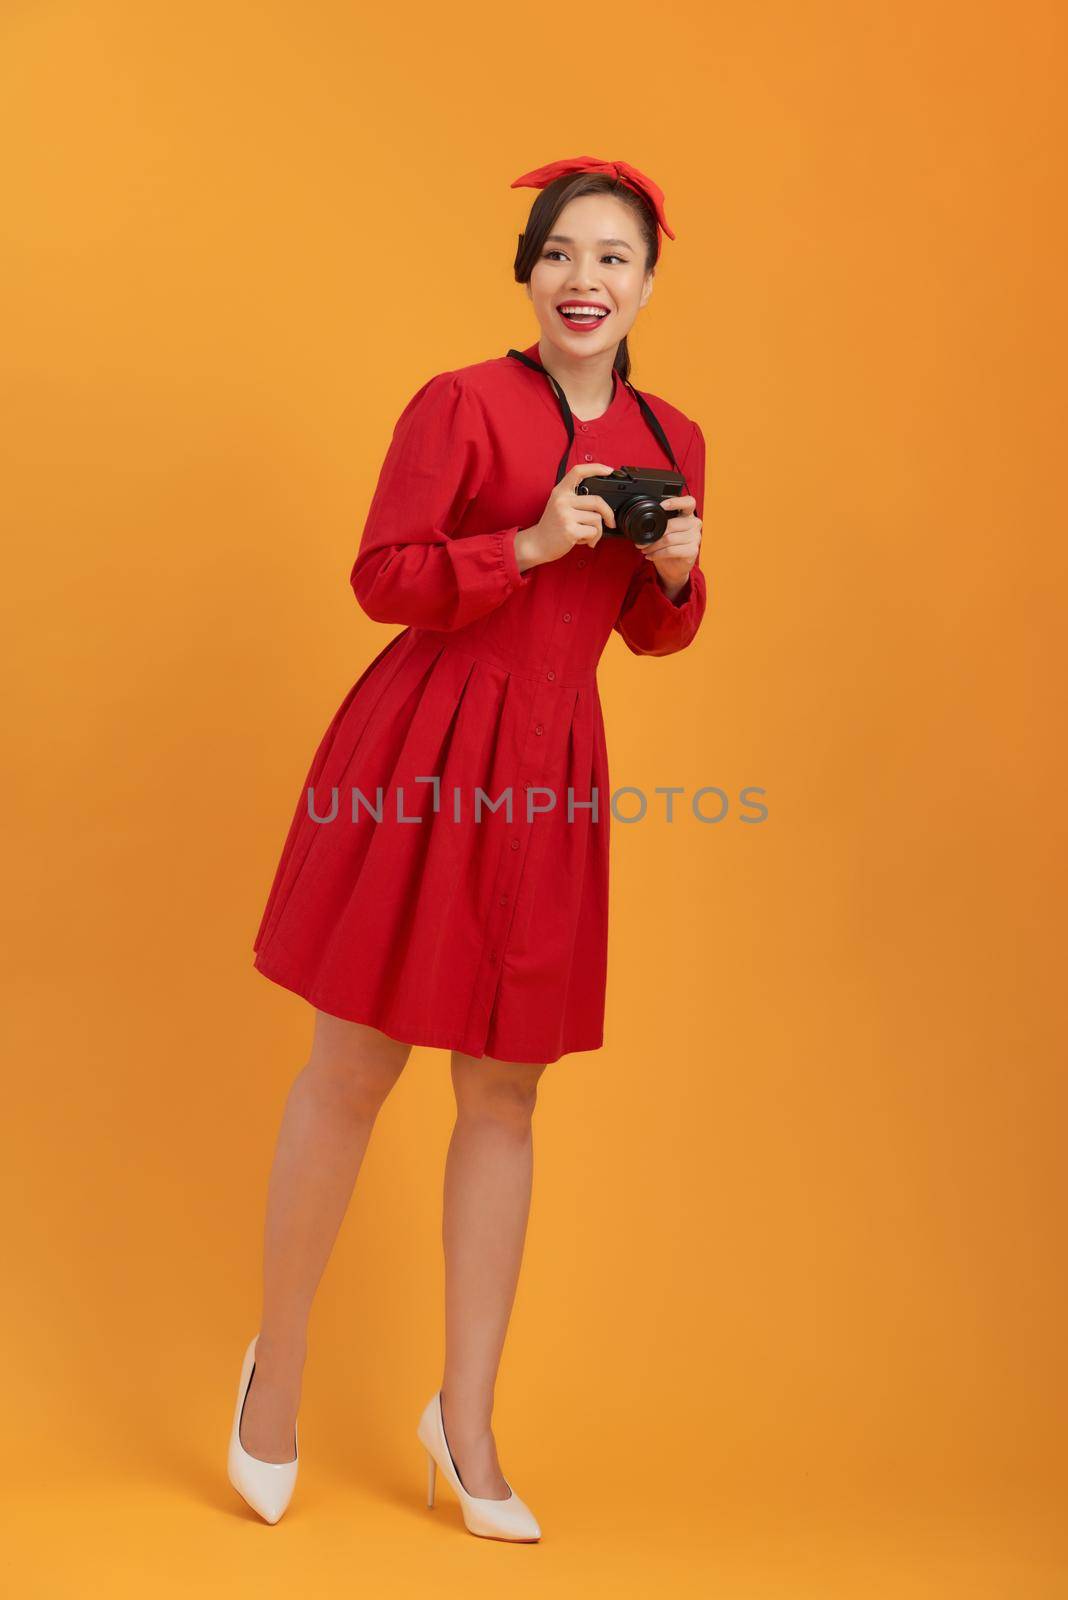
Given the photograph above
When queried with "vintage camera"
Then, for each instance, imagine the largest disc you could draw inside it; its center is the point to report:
(635, 493)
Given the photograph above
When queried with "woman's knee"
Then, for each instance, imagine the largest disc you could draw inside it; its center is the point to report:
(358, 1063)
(505, 1091)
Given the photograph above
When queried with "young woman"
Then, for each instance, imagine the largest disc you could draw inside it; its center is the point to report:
(444, 880)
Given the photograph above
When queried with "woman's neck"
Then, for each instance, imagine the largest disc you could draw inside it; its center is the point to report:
(586, 381)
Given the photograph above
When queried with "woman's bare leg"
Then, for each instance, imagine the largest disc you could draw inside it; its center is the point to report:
(326, 1126)
(488, 1180)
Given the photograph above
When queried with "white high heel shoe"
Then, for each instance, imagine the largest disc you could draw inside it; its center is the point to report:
(491, 1519)
(267, 1486)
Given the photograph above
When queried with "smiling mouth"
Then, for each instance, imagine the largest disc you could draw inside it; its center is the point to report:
(577, 315)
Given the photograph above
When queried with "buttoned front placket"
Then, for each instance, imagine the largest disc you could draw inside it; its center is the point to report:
(552, 683)
(586, 428)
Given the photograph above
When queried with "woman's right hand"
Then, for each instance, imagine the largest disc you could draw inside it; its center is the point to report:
(568, 519)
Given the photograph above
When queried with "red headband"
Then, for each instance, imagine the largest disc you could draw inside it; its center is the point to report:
(622, 170)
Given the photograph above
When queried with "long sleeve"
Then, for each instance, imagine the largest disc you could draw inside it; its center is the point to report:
(651, 623)
(413, 566)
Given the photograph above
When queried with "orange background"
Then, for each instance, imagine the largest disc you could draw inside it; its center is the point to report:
(791, 1318)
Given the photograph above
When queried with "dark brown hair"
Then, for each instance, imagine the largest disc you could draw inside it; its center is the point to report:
(547, 207)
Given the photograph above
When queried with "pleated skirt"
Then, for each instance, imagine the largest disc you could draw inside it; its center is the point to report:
(406, 904)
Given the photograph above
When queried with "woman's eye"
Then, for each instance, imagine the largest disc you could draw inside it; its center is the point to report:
(548, 255)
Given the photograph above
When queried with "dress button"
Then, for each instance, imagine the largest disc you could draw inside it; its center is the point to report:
(582, 562)
(515, 844)
(550, 675)
(503, 901)
(493, 955)
(588, 456)
(567, 616)
(539, 728)
(585, 427)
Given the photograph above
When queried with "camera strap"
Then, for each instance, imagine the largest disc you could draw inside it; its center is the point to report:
(569, 422)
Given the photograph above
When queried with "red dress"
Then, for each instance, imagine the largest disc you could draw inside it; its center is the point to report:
(487, 936)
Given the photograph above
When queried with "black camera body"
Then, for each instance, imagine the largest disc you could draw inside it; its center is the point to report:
(635, 493)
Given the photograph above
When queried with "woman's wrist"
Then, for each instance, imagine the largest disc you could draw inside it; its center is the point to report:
(672, 587)
(525, 550)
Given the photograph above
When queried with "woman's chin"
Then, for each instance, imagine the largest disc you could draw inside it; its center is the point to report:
(570, 343)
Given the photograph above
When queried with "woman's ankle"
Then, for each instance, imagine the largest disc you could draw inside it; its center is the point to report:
(285, 1352)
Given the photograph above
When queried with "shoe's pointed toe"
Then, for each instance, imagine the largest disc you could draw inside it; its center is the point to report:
(505, 1519)
(511, 1518)
(267, 1486)
(269, 1500)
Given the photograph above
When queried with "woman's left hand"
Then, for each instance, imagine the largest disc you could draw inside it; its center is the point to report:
(675, 552)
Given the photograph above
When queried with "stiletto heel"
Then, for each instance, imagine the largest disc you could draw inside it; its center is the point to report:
(490, 1519)
(267, 1486)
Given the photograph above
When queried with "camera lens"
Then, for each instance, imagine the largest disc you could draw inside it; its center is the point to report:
(641, 520)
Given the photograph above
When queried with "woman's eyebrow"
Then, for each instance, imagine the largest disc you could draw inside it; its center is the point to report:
(562, 238)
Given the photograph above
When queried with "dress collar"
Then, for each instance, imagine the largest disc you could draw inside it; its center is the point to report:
(615, 405)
